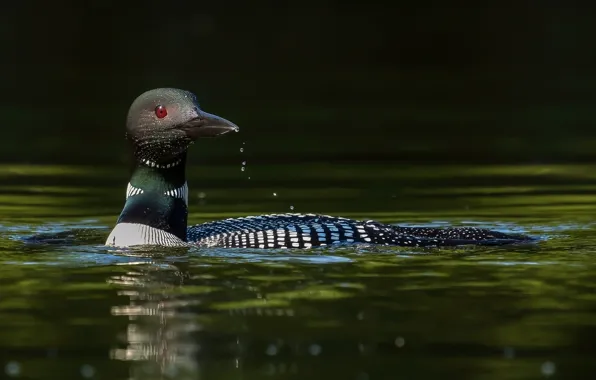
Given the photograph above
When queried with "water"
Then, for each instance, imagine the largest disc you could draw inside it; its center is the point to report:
(82, 311)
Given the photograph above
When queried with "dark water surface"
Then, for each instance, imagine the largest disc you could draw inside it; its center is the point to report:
(81, 311)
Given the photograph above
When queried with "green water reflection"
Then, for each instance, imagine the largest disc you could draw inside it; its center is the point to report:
(83, 311)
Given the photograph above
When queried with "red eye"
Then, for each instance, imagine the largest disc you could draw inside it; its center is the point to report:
(161, 112)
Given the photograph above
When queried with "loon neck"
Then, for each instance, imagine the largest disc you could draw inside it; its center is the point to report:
(150, 175)
(157, 196)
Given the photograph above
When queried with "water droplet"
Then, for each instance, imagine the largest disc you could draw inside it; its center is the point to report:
(12, 369)
(243, 143)
(87, 371)
(202, 195)
(548, 368)
(275, 194)
(242, 168)
(400, 342)
(248, 177)
(243, 162)
(291, 207)
(271, 350)
(241, 150)
(314, 349)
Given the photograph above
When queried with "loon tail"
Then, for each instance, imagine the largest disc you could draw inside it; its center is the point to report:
(454, 236)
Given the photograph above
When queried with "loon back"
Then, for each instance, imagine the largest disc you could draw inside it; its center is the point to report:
(312, 230)
(161, 125)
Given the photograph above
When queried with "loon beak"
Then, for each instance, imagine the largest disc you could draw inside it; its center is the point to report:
(208, 125)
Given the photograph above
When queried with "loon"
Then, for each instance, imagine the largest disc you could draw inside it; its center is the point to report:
(161, 125)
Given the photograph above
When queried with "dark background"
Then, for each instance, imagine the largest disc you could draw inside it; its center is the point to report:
(306, 81)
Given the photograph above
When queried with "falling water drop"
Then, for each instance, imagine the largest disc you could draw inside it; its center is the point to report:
(12, 369)
(275, 194)
(400, 342)
(241, 150)
(243, 162)
(271, 350)
(314, 349)
(292, 208)
(242, 168)
(548, 368)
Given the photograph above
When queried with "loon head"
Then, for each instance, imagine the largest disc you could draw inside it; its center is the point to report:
(163, 122)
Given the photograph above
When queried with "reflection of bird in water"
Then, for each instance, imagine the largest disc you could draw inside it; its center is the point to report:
(204, 320)
(160, 336)
(165, 337)
(171, 334)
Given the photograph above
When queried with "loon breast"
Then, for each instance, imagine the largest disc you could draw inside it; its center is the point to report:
(136, 229)
(130, 234)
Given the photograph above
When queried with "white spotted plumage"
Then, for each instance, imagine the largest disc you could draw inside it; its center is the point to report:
(281, 231)
(153, 164)
(312, 230)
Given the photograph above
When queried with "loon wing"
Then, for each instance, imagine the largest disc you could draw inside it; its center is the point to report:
(312, 230)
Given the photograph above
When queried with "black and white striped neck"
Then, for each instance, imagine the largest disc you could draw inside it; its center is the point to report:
(156, 208)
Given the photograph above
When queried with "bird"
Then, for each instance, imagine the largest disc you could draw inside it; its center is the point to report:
(161, 125)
